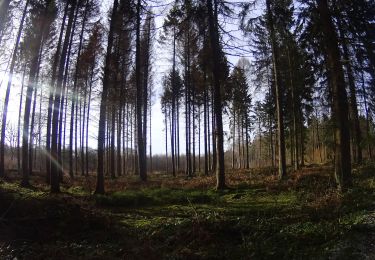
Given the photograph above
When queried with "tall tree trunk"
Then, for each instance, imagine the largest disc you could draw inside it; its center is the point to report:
(142, 162)
(166, 139)
(85, 100)
(19, 122)
(74, 92)
(88, 121)
(353, 97)
(279, 93)
(62, 119)
(214, 156)
(112, 142)
(7, 92)
(339, 98)
(31, 136)
(151, 170)
(55, 168)
(52, 91)
(26, 160)
(103, 104)
(220, 170)
(205, 112)
(178, 136)
(174, 96)
(145, 84)
(119, 131)
(294, 134)
(247, 144)
(199, 139)
(234, 139)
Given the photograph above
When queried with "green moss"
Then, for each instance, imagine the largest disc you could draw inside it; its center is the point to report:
(149, 197)
(21, 191)
(77, 191)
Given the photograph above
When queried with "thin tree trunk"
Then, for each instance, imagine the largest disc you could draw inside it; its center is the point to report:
(83, 131)
(199, 139)
(234, 138)
(88, 121)
(206, 155)
(247, 145)
(31, 140)
(294, 134)
(19, 123)
(166, 140)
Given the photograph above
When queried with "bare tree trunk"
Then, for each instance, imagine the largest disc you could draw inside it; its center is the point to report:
(103, 104)
(56, 169)
(151, 170)
(199, 139)
(353, 109)
(88, 121)
(234, 139)
(112, 143)
(294, 134)
(220, 170)
(52, 91)
(340, 102)
(7, 92)
(205, 112)
(142, 162)
(31, 135)
(145, 85)
(279, 92)
(166, 139)
(247, 145)
(214, 156)
(83, 130)
(19, 123)
(119, 130)
(34, 67)
(74, 93)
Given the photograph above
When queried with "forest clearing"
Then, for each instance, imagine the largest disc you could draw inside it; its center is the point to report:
(257, 217)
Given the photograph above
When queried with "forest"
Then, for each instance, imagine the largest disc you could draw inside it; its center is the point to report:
(187, 129)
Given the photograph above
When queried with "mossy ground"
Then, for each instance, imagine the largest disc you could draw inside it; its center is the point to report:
(258, 217)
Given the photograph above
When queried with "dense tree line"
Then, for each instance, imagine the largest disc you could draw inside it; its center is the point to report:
(313, 60)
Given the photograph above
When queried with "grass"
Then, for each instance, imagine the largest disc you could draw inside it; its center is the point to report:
(258, 218)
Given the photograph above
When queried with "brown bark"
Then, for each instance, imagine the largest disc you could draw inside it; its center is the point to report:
(339, 98)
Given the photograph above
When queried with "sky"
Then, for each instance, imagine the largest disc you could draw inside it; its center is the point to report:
(162, 62)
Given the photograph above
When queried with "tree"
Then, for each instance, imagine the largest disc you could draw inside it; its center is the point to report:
(7, 93)
(4, 9)
(339, 98)
(103, 104)
(214, 40)
(142, 160)
(43, 16)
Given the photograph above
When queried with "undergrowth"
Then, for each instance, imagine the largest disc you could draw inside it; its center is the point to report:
(259, 217)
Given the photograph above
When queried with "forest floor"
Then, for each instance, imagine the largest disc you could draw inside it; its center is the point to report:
(258, 217)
